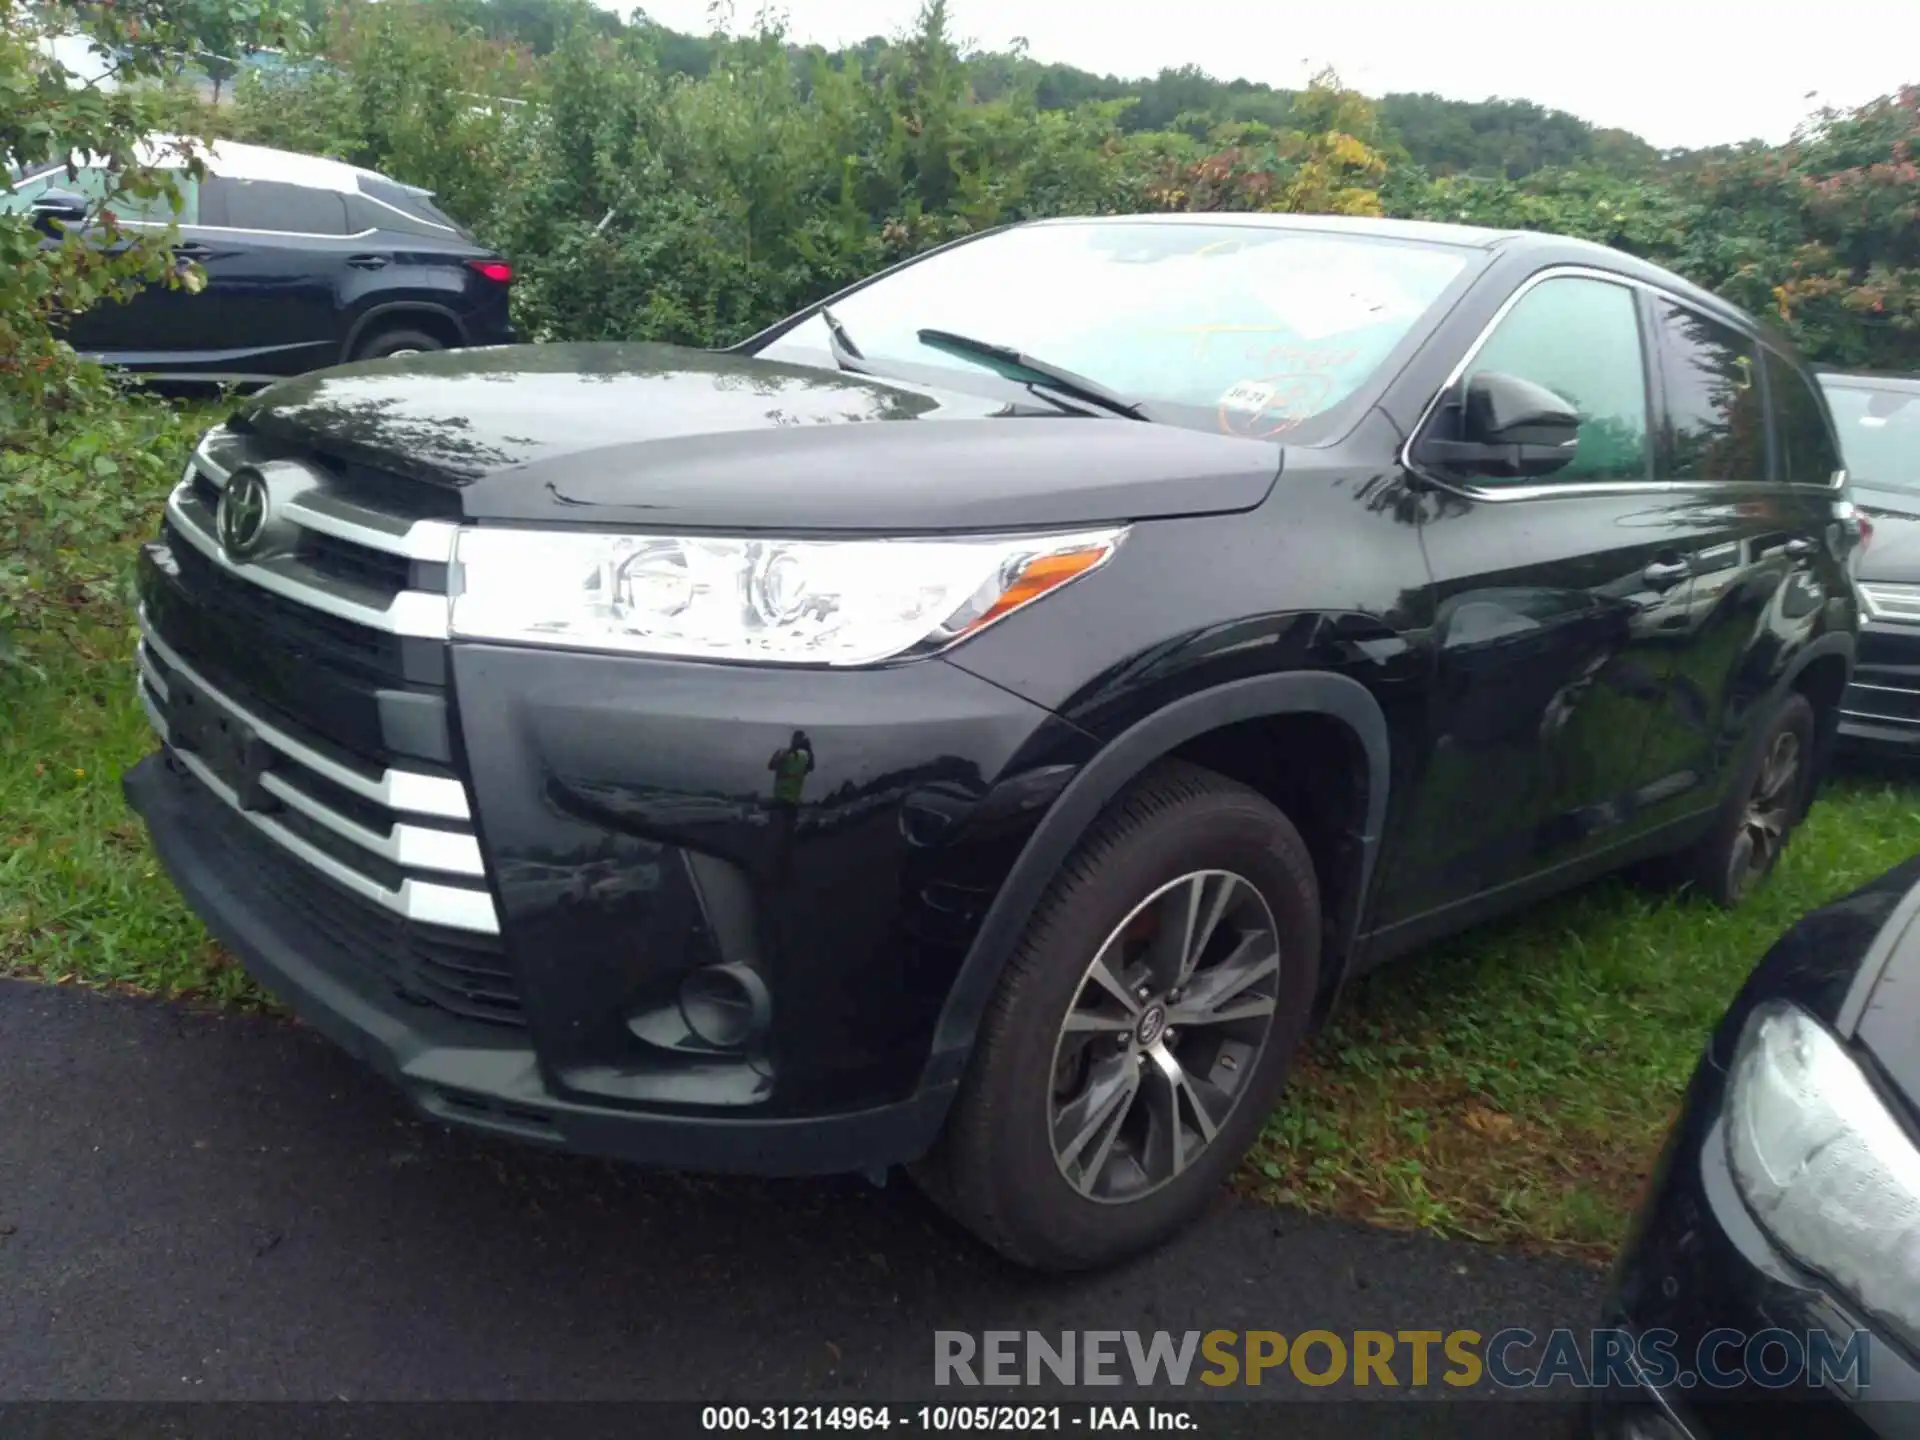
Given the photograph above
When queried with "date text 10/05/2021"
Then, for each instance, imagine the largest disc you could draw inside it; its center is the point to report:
(936, 1419)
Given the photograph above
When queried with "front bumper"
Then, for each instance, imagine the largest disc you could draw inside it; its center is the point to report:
(444, 1069)
(1881, 708)
(635, 833)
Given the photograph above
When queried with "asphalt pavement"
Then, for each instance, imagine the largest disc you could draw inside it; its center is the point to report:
(207, 1206)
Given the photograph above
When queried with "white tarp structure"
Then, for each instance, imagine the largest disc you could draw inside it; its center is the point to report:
(82, 59)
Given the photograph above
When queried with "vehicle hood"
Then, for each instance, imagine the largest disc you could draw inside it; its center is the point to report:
(651, 435)
(1894, 553)
(1889, 1026)
(1855, 964)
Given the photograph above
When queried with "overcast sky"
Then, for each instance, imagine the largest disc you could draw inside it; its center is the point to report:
(1677, 72)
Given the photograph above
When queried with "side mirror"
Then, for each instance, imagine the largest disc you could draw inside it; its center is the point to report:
(1506, 427)
(59, 207)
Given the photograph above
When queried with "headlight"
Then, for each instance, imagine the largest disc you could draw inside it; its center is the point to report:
(1891, 602)
(1823, 1164)
(791, 602)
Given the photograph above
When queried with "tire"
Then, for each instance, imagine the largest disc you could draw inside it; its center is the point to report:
(395, 341)
(998, 1168)
(1768, 798)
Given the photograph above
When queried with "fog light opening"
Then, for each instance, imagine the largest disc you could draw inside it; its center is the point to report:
(725, 1006)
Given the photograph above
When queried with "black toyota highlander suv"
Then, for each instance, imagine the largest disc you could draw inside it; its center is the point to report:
(981, 723)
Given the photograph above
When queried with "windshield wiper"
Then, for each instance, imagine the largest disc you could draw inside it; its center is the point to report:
(1038, 372)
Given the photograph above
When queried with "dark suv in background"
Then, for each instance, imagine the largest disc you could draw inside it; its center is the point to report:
(1879, 421)
(983, 721)
(309, 262)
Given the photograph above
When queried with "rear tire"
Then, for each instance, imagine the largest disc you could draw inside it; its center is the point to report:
(1768, 798)
(1109, 1008)
(383, 344)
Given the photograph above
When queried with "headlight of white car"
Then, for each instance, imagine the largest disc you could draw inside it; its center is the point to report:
(1825, 1167)
(794, 602)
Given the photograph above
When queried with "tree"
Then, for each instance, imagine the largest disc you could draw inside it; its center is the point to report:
(1824, 232)
(215, 34)
(1327, 160)
(49, 116)
(62, 481)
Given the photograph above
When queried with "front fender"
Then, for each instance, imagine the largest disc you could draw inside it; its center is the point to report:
(1110, 771)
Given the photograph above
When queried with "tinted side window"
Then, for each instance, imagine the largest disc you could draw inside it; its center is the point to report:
(1581, 339)
(272, 205)
(408, 202)
(180, 208)
(98, 185)
(1716, 423)
(1808, 454)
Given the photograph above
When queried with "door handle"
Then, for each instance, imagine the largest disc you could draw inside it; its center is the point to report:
(1800, 547)
(367, 262)
(1665, 574)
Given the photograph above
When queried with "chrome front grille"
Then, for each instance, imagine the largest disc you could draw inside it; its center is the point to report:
(370, 847)
(342, 590)
(323, 571)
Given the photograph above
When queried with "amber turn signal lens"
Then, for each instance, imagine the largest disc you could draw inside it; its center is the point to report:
(1044, 573)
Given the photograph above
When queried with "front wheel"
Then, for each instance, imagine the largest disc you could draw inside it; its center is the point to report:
(1143, 1029)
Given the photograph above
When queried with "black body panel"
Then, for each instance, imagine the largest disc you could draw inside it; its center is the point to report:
(1696, 1262)
(655, 437)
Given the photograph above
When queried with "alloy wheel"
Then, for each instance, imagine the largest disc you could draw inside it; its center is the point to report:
(1163, 1035)
(1769, 814)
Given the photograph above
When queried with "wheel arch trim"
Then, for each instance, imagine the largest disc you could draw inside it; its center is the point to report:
(391, 309)
(1118, 764)
(1834, 642)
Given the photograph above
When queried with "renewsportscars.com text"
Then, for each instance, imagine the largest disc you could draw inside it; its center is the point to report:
(1512, 1359)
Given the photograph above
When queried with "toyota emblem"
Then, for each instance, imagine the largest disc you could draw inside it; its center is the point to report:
(245, 507)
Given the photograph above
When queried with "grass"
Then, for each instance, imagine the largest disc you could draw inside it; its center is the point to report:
(1511, 1085)
(1515, 1083)
(81, 896)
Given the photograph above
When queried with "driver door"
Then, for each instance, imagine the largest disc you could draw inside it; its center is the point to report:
(150, 323)
(1558, 602)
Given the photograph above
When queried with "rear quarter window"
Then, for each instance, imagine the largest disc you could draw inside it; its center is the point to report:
(1716, 423)
(1808, 453)
(392, 198)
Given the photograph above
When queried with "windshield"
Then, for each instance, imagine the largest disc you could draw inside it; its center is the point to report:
(1879, 434)
(1242, 328)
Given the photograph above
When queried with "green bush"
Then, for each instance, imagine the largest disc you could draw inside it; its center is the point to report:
(69, 504)
(80, 461)
(646, 195)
